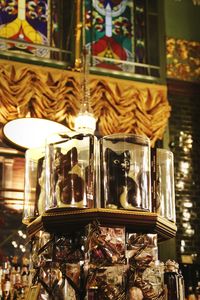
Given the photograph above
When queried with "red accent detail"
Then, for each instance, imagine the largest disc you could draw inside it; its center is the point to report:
(21, 32)
(109, 42)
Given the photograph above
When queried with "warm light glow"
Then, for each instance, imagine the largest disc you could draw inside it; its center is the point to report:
(187, 204)
(180, 185)
(185, 141)
(18, 205)
(196, 2)
(186, 215)
(85, 123)
(184, 167)
(189, 232)
(31, 132)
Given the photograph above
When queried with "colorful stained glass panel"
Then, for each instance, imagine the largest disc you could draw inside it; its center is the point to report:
(109, 33)
(123, 35)
(24, 22)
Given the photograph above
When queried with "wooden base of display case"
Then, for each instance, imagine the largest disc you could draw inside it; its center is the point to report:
(63, 220)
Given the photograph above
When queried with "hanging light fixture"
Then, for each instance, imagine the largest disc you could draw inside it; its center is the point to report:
(25, 133)
(196, 2)
(85, 121)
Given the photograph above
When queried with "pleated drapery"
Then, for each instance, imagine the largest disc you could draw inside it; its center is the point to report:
(119, 105)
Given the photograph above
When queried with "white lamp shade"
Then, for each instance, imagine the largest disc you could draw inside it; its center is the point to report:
(31, 132)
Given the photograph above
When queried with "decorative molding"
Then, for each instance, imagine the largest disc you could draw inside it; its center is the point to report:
(135, 221)
(119, 105)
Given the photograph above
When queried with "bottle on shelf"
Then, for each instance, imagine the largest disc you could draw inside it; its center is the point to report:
(191, 295)
(6, 290)
(197, 291)
(171, 281)
(181, 284)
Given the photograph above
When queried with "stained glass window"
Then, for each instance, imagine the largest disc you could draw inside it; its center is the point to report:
(109, 31)
(38, 28)
(25, 22)
(123, 35)
(119, 34)
(140, 43)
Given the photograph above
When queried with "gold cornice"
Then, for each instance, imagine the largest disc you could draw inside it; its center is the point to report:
(120, 105)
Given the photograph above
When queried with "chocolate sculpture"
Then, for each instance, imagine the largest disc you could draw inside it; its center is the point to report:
(68, 178)
(123, 191)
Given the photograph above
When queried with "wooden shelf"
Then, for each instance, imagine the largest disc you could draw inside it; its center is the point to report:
(63, 220)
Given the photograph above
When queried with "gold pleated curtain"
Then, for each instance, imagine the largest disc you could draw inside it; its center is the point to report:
(119, 105)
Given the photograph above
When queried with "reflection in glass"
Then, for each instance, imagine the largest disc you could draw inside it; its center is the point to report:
(126, 171)
(34, 192)
(165, 184)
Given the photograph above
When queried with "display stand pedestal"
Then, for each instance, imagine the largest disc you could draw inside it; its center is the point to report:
(94, 254)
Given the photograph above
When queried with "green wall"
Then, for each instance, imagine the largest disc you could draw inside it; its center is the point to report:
(182, 19)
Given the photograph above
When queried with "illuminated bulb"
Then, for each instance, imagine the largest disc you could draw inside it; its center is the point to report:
(180, 185)
(186, 216)
(187, 204)
(85, 123)
(182, 248)
(186, 149)
(183, 243)
(20, 232)
(196, 2)
(185, 225)
(190, 232)
(184, 166)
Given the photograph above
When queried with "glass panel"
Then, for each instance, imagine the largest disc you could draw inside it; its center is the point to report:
(153, 44)
(39, 28)
(152, 6)
(61, 28)
(109, 32)
(119, 34)
(140, 31)
(24, 22)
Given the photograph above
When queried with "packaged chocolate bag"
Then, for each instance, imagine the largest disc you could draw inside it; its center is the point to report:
(106, 245)
(107, 283)
(141, 248)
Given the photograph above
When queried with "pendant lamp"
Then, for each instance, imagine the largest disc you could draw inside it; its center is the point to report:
(25, 133)
(85, 122)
